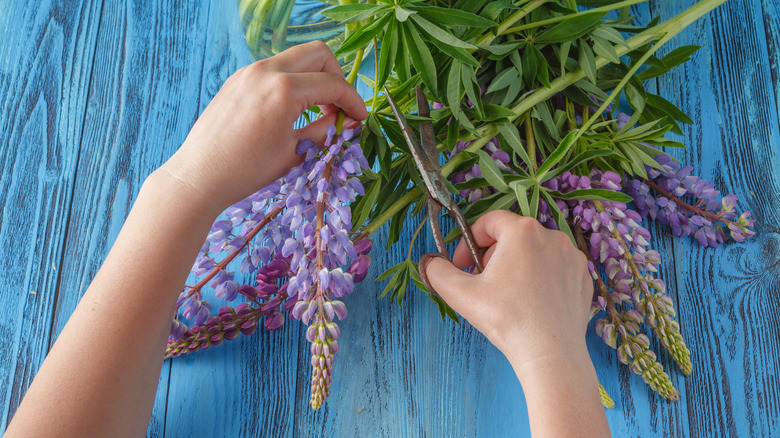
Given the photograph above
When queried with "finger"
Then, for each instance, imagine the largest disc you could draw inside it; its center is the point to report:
(315, 131)
(449, 282)
(329, 108)
(314, 56)
(327, 88)
(462, 256)
(487, 231)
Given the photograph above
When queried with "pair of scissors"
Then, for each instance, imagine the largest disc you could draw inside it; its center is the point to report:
(426, 157)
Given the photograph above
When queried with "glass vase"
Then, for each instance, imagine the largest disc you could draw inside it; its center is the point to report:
(272, 26)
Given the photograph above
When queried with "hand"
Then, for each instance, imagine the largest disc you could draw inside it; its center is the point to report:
(244, 140)
(532, 301)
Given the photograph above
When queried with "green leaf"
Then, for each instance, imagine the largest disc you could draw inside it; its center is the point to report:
(534, 204)
(421, 58)
(580, 158)
(453, 87)
(667, 108)
(400, 289)
(571, 28)
(501, 50)
(520, 188)
(530, 63)
(668, 62)
(563, 55)
(440, 34)
(556, 156)
(457, 53)
(509, 135)
(542, 68)
(502, 203)
(345, 12)
(491, 172)
(560, 220)
(587, 61)
(453, 17)
(610, 34)
(383, 10)
(542, 112)
(471, 86)
(402, 14)
(496, 112)
(444, 308)
(389, 272)
(503, 80)
(604, 49)
(592, 195)
(387, 53)
(362, 36)
(366, 204)
(414, 273)
(494, 9)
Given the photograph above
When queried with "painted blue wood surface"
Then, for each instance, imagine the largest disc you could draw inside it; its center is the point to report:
(95, 95)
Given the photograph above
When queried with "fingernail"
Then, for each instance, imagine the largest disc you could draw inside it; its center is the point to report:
(422, 266)
(351, 123)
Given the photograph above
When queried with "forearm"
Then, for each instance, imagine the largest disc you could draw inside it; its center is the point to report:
(562, 396)
(101, 375)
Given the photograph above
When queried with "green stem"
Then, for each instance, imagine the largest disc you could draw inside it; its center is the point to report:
(666, 30)
(355, 66)
(339, 121)
(566, 17)
(414, 238)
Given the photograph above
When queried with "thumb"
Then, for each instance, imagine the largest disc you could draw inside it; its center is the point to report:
(446, 280)
(315, 131)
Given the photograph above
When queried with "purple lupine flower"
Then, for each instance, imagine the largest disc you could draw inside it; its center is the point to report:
(703, 219)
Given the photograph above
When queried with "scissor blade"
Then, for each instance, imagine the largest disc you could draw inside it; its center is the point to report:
(419, 155)
(426, 129)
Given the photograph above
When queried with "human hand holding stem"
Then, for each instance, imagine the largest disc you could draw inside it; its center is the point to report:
(532, 302)
(122, 326)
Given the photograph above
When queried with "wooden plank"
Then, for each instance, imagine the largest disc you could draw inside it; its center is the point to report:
(638, 410)
(771, 25)
(728, 295)
(143, 100)
(249, 386)
(45, 67)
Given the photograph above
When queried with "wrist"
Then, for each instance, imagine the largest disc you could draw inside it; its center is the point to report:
(173, 186)
(551, 362)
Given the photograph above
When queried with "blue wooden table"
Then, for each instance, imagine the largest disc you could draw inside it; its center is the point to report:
(96, 94)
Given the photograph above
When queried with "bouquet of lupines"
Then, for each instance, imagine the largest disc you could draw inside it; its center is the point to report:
(539, 108)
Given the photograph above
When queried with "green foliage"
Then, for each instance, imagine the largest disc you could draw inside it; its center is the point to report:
(538, 75)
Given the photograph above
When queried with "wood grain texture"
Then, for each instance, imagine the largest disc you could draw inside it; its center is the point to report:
(143, 98)
(93, 97)
(727, 298)
(45, 66)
